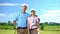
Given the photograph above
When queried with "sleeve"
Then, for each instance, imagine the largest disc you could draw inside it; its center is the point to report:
(16, 17)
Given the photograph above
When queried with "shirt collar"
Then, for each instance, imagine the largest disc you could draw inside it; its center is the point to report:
(23, 12)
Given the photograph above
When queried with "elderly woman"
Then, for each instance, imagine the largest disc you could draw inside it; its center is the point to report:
(33, 22)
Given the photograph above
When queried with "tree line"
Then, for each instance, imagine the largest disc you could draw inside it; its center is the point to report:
(9, 25)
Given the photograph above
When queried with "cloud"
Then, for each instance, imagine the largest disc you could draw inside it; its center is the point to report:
(50, 16)
(50, 13)
(9, 4)
(7, 17)
(2, 15)
(53, 11)
(46, 15)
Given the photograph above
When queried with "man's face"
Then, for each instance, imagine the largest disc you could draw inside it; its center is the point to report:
(23, 8)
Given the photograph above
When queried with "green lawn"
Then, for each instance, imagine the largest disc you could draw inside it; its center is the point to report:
(49, 32)
(41, 32)
(7, 31)
(52, 28)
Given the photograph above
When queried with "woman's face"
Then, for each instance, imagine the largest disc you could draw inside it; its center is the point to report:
(32, 13)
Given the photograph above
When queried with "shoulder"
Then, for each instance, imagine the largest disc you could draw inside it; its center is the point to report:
(37, 17)
(28, 17)
(28, 14)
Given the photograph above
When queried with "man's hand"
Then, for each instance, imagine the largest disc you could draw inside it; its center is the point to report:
(14, 22)
(37, 22)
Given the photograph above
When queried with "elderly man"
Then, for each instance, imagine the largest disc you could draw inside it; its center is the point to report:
(21, 21)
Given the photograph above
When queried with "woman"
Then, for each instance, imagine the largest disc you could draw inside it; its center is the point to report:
(33, 22)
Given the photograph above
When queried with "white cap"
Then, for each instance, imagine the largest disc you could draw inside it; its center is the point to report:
(24, 5)
(32, 9)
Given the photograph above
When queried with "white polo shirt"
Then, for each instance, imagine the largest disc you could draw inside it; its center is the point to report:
(32, 21)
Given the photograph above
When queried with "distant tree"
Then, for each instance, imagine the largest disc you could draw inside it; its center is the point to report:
(54, 23)
(9, 22)
(46, 23)
(3, 23)
(42, 26)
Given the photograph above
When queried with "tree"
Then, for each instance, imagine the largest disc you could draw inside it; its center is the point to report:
(42, 26)
(9, 22)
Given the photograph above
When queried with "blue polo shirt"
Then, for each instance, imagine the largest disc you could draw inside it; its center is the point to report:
(21, 19)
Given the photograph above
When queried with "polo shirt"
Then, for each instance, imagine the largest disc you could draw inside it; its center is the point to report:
(21, 19)
(32, 21)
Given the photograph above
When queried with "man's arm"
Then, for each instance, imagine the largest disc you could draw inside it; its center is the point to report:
(37, 22)
(28, 26)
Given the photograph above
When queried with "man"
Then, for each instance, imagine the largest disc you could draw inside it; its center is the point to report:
(33, 22)
(21, 21)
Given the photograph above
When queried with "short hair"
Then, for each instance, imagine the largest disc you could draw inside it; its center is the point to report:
(24, 5)
(33, 11)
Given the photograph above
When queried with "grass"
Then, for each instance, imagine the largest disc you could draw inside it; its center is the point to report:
(41, 32)
(49, 32)
(6, 31)
(52, 28)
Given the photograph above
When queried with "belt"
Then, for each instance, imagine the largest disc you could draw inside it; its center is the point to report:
(21, 27)
(33, 29)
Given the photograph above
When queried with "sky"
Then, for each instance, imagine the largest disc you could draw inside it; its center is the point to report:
(47, 10)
